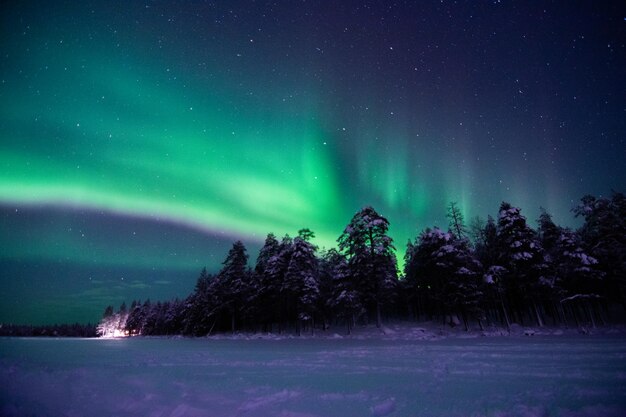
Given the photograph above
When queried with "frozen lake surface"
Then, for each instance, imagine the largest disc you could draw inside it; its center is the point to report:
(489, 376)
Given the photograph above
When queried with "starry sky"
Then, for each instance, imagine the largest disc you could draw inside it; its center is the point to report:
(138, 140)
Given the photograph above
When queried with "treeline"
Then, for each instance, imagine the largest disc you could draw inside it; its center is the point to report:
(53, 330)
(492, 272)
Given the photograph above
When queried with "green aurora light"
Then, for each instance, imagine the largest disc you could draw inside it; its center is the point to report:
(224, 122)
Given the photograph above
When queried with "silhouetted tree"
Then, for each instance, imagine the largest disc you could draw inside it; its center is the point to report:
(456, 221)
(520, 250)
(443, 268)
(233, 281)
(371, 259)
(604, 237)
(511, 271)
(300, 287)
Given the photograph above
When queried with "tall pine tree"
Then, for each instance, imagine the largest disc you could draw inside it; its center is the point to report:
(520, 250)
(300, 287)
(233, 282)
(371, 259)
(456, 221)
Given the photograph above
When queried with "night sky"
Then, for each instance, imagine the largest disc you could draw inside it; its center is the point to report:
(138, 140)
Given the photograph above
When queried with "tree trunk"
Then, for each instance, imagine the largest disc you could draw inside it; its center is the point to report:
(591, 315)
(537, 315)
(561, 312)
(575, 314)
(379, 320)
(506, 315)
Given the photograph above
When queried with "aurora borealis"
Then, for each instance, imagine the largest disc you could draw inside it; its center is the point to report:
(139, 139)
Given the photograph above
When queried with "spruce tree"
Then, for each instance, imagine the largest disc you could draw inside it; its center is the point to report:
(604, 237)
(477, 231)
(371, 259)
(456, 221)
(344, 300)
(578, 275)
(549, 232)
(275, 272)
(233, 282)
(444, 274)
(270, 248)
(200, 306)
(300, 288)
(520, 250)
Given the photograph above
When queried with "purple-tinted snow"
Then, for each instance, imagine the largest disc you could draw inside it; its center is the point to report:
(408, 371)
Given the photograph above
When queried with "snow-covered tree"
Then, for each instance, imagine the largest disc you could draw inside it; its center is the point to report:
(272, 282)
(521, 252)
(270, 248)
(371, 259)
(173, 317)
(444, 276)
(577, 274)
(113, 324)
(233, 281)
(604, 237)
(342, 297)
(549, 235)
(300, 288)
(549, 232)
(200, 307)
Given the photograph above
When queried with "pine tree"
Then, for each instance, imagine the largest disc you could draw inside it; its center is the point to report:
(306, 234)
(520, 249)
(344, 300)
(108, 326)
(270, 248)
(300, 287)
(327, 271)
(274, 277)
(487, 252)
(263, 294)
(371, 259)
(148, 318)
(443, 269)
(456, 221)
(108, 312)
(548, 235)
(233, 281)
(577, 274)
(132, 323)
(412, 281)
(173, 317)
(604, 237)
(477, 231)
(200, 306)
(549, 232)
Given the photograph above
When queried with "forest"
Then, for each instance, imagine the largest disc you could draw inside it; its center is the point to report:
(50, 330)
(486, 273)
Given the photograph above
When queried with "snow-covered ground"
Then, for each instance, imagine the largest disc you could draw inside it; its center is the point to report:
(409, 371)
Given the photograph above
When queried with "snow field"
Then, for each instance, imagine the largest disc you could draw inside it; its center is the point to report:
(570, 376)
